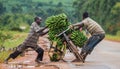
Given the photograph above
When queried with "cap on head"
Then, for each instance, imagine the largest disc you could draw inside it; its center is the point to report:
(85, 15)
(36, 18)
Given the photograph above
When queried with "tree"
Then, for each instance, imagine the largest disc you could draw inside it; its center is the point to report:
(115, 18)
(115, 12)
(16, 9)
(2, 8)
(59, 4)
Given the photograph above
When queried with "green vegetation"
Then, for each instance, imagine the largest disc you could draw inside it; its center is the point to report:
(18, 38)
(113, 38)
(105, 12)
(15, 40)
(3, 37)
(16, 12)
(3, 55)
(15, 21)
(78, 38)
(11, 42)
(56, 25)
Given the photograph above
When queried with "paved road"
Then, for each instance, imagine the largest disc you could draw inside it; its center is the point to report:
(105, 56)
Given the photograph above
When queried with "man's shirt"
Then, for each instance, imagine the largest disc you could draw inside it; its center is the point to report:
(33, 36)
(92, 26)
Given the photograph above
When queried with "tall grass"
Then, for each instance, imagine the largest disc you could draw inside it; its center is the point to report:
(4, 55)
(18, 38)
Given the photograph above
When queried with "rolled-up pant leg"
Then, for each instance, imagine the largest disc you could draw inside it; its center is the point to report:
(15, 54)
(92, 42)
(40, 52)
(18, 51)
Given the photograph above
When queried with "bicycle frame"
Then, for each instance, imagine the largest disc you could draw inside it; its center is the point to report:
(71, 45)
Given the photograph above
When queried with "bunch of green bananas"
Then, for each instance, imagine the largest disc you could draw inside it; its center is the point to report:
(57, 21)
(56, 55)
(56, 25)
(78, 38)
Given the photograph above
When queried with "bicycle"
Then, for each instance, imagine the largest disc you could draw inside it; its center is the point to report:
(70, 44)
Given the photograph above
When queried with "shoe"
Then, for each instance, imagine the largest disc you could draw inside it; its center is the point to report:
(39, 62)
(77, 60)
(84, 57)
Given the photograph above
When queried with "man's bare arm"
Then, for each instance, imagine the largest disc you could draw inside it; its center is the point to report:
(43, 33)
(42, 30)
(80, 24)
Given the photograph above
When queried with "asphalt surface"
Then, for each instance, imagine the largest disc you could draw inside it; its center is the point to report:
(106, 55)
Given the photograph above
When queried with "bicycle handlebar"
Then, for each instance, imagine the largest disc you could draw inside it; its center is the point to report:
(63, 32)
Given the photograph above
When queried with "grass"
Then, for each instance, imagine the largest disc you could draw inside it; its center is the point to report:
(113, 38)
(18, 38)
(4, 55)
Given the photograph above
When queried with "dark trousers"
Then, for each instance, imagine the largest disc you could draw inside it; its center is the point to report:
(22, 48)
(92, 42)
